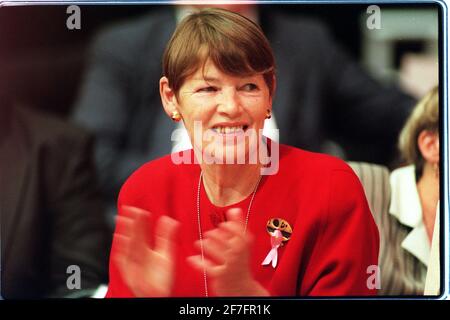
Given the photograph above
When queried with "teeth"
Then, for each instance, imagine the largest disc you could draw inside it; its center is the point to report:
(228, 130)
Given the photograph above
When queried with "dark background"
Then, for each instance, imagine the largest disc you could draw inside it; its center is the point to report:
(42, 62)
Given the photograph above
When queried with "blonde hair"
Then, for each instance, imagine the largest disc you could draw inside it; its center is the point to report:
(235, 44)
(425, 116)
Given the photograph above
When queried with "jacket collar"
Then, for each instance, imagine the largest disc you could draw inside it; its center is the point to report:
(405, 206)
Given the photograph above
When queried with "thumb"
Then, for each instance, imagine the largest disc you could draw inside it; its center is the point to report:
(235, 215)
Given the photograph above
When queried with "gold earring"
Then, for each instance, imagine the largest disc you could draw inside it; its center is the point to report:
(176, 116)
(268, 114)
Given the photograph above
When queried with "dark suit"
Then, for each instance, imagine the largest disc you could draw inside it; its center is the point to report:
(321, 95)
(51, 217)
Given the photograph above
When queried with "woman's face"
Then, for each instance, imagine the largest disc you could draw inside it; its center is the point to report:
(223, 109)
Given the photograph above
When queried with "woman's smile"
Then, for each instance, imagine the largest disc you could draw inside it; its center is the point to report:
(222, 110)
(230, 129)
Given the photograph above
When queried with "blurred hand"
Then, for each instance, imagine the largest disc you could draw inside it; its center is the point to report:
(147, 271)
(227, 254)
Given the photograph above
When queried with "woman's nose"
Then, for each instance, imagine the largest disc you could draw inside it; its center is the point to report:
(229, 103)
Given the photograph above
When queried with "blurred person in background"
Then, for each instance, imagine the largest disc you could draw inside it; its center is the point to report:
(50, 211)
(407, 230)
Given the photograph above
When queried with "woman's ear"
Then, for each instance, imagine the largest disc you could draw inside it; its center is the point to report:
(168, 97)
(428, 143)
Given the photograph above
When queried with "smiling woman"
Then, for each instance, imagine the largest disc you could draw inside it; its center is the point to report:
(223, 114)
(227, 227)
(214, 75)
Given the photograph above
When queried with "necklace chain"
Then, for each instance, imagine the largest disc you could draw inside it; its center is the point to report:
(200, 234)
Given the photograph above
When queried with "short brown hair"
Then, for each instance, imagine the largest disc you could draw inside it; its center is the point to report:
(235, 44)
(425, 116)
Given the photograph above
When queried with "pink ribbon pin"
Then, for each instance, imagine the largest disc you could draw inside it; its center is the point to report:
(275, 240)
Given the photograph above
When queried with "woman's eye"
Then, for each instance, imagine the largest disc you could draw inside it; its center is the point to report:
(208, 89)
(250, 87)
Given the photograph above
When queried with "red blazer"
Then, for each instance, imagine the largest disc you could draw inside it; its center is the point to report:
(334, 240)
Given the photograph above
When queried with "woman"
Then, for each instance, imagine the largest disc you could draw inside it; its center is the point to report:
(408, 229)
(236, 216)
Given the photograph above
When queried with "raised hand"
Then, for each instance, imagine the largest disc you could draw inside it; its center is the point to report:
(226, 258)
(146, 267)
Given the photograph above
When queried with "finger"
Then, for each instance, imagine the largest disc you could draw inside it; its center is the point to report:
(215, 271)
(123, 260)
(165, 233)
(201, 265)
(236, 215)
(218, 235)
(121, 251)
(237, 239)
(198, 263)
(130, 211)
(136, 223)
(232, 229)
(141, 222)
(124, 226)
(212, 250)
(227, 246)
(121, 244)
(235, 221)
(141, 227)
